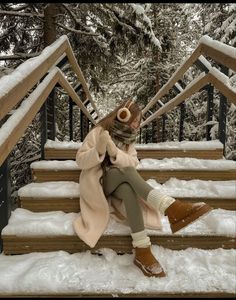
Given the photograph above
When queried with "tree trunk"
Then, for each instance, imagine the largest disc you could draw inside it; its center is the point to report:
(50, 33)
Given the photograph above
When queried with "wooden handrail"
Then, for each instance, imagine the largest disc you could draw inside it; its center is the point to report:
(174, 78)
(210, 48)
(213, 49)
(194, 87)
(187, 92)
(23, 116)
(32, 70)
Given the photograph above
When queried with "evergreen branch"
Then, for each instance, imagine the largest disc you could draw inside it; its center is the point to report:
(20, 14)
(76, 31)
(19, 56)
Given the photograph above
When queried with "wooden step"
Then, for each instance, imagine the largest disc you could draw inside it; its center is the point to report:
(49, 204)
(38, 204)
(214, 150)
(87, 294)
(161, 176)
(50, 196)
(160, 170)
(51, 153)
(56, 233)
(65, 195)
(121, 244)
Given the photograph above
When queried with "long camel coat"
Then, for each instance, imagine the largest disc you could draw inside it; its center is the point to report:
(95, 208)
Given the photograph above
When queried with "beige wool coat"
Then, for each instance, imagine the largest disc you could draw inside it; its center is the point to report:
(95, 208)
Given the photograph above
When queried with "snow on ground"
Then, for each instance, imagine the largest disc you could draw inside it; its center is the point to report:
(190, 270)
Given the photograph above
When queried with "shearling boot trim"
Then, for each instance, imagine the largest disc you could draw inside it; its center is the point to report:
(159, 200)
(140, 239)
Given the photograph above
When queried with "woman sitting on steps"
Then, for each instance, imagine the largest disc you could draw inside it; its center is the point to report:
(109, 182)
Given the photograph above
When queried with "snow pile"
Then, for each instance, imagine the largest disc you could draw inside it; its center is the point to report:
(25, 223)
(196, 188)
(55, 189)
(184, 145)
(186, 163)
(174, 187)
(62, 145)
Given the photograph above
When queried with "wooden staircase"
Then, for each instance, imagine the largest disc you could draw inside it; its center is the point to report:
(15, 243)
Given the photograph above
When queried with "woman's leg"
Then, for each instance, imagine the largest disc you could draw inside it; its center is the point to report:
(179, 213)
(144, 258)
(115, 176)
(133, 210)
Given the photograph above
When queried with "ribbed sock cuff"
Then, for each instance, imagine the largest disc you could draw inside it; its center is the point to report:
(140, 239)
(159, 200)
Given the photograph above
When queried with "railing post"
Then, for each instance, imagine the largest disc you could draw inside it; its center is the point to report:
(5, 197)
(146, 134)
(140, 136)
(181, 123)
(44, 131)
(163, 128)
(222, 112)
(210, 93)
(71, 104)
(51, 115)
(154, 131)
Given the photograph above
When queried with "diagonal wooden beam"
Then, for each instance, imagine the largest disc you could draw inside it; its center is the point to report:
(221, 82)
(174, 78)
(192, 88)
(222, 53)
(13, 129)
(29, 73)
(69, 89)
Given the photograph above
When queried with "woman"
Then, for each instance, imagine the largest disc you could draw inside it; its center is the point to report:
(110, 184)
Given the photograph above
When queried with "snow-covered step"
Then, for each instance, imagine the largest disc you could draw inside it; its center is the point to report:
(50, 196)
(159, 169)
(52, 231)
(197, 149)
(65, 195)
(191, 273)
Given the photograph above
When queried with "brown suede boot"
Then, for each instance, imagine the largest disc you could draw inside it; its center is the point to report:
(181, 213)
(148, 264)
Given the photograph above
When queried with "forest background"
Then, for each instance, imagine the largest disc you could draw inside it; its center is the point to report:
(124, 50)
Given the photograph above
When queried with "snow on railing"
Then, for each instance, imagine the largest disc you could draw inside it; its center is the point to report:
(224, 54)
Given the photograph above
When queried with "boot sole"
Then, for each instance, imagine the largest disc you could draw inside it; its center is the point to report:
(147, 273)
(204, 210)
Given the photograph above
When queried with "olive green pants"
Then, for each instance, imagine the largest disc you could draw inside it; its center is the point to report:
(127, 184)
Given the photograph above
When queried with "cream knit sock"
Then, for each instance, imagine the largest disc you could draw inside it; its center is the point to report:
(140, 239)
(159, 200)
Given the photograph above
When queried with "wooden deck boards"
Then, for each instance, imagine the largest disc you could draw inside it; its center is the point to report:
(43, 175)
(120, 243)
(72, 205)
(90, 294)
(53, 153)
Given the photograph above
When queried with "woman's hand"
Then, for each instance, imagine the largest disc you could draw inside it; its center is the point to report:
(103, 139)
(111, 148)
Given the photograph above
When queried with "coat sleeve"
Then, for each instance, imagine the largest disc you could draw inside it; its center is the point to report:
(126, 159)
(87, 156)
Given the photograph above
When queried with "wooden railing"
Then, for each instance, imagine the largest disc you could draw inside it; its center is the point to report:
(14, 87)
(28, 87)
(225, 56)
